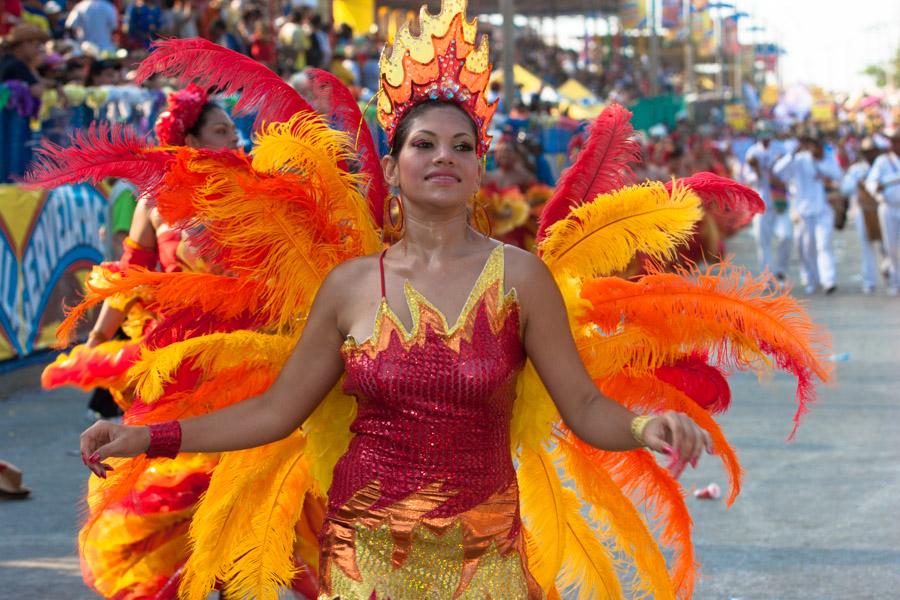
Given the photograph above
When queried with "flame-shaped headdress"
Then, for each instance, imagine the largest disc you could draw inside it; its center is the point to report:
(438, 62)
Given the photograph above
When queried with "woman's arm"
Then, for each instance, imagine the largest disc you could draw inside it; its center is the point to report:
(313, 368)
(596, 419)
(143, 233)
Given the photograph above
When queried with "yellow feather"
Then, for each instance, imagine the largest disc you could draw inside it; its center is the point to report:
(264, 562)
(328, 435)
(533, 412)
(601, 237)
(589, 569)
(540, 495)
(629, 531)
(311, 148)
(224, 527)
(210, 353)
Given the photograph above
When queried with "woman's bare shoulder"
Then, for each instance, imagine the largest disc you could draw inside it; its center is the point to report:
(523, 268)
(353, 273)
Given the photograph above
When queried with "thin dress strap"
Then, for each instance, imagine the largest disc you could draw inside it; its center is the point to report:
(381, 269)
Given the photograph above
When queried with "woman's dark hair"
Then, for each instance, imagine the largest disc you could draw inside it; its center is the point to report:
(402, 131)
(194, 129)
(97, 67)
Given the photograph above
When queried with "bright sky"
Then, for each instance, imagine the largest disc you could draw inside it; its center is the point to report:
(829, 42)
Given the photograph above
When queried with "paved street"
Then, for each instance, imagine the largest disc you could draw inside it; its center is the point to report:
(816, 520)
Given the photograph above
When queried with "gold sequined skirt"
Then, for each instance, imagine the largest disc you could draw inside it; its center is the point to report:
(397, 553)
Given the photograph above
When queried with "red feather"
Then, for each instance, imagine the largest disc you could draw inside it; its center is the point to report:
(101, 152)
(731, 204)
(700, 381)
(345, 114)
(602, 166)
(227, 72)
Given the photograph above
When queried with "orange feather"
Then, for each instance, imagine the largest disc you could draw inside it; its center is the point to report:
(648, 394)
(628, 529)
(722, 309)
(654, 490)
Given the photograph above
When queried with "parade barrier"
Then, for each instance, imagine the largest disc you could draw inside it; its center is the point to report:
(49, 240)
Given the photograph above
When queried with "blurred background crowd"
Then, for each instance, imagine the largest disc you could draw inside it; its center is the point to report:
(704, 80)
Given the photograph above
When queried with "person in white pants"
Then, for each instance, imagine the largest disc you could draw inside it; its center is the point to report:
(772, 228)
(883, 182)
(854, 180)
(807, 170)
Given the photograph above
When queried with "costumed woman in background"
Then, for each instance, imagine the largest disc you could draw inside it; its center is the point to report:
(431, 435)
(134, 548)
(512, 196)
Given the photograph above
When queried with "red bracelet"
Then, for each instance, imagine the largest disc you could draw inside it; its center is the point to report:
(165, 440)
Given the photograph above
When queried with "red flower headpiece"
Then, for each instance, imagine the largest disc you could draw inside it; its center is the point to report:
(182, 113)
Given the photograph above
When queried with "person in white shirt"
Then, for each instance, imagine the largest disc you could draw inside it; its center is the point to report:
(94, 21)
(807, 170)
(852, 186)
(883, 182)
(772, 228)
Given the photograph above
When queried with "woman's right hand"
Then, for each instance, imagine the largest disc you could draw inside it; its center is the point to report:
(104, 439)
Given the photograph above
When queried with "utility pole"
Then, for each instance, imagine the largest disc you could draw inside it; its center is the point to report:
(654, 52)
(738, 70)
(508, 10)
(690, 85)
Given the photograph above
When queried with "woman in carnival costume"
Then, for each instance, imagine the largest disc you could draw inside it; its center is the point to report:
(134, 548)
(456, 456)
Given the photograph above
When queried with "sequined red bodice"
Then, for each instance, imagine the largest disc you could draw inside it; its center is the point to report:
(435, 403)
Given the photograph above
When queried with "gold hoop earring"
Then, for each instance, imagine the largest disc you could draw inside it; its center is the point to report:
(393, 226)
(487, 227)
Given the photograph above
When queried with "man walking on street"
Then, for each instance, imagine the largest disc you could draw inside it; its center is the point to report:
(883, 182)
(772, 228)
(853, 186)
(807, 170)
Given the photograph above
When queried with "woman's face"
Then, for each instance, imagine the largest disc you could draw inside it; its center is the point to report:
(217, 133)
(437, 166)
(506, 155)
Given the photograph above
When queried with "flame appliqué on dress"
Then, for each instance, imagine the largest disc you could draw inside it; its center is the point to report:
(424, 504)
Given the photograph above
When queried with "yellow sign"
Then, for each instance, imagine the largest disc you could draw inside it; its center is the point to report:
(358, 14)
(737, 117)
(47, 241)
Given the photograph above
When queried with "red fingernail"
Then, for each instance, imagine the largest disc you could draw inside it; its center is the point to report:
(694, 463)
(94, 457)
(668, 449)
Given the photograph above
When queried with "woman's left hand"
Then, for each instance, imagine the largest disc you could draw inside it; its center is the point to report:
(675, 434)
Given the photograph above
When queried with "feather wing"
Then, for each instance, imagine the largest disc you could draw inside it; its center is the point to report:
(647, 394)
(215, 67)
(541, 496)
(721, 309)
(589, 569)
(731, 204)
(264, 558)
(284, 221)
(208, 354)
(601, 167)
(601, 237)
(93, 155)
(533, 412)
(629, 531)
(345, 111)
(660, 497)
(251, 498)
